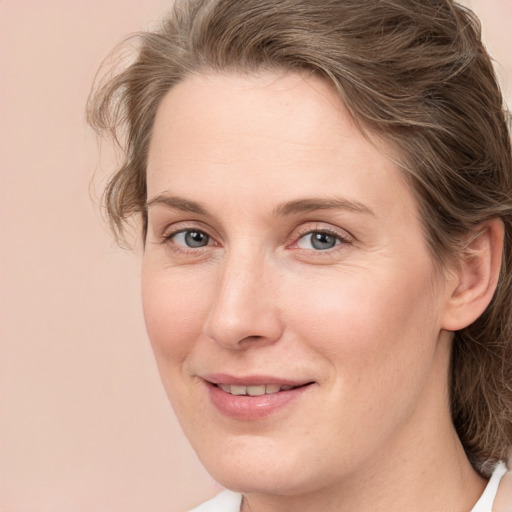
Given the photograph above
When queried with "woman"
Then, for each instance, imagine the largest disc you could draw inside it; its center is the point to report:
(325, 190)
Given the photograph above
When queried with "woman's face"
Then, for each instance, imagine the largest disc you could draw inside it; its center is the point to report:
(289, 296)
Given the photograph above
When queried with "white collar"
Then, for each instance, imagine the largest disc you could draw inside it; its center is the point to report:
(484, 504)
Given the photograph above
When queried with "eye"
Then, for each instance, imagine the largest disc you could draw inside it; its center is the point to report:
(318, 240)
(191, 238)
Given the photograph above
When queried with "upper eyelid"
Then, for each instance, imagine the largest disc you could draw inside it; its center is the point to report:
(328, 231)
(174, 228)
(167, 233)
(320, 227)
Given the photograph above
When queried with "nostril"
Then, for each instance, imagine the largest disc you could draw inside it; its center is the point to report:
(244, 333)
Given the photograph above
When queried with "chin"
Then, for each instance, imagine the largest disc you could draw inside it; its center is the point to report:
(253, 464)
(273, 480)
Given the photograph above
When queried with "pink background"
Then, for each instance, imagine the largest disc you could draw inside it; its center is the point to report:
(84, 422)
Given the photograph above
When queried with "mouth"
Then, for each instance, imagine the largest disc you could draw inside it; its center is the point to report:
(253, 398)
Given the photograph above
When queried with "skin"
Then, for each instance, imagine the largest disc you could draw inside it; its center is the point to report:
(503, 501)
(367, 320)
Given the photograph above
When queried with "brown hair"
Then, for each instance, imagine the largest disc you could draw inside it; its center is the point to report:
(415, 73)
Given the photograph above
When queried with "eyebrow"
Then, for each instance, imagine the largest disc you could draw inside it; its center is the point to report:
(177, 203)
(314, 204)
(294, 207)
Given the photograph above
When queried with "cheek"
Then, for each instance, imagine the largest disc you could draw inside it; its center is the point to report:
(371, 322)
(174, 312)
(378, 338)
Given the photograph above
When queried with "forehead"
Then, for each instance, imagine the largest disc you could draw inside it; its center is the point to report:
(271, 135)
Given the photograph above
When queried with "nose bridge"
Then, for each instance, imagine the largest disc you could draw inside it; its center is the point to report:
(244, 307)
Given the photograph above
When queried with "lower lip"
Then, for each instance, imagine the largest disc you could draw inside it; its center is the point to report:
(250, 408)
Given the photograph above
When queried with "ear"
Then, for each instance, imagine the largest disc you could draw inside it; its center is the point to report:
(473, 281)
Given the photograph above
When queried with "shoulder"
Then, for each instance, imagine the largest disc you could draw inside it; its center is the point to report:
(226, 501)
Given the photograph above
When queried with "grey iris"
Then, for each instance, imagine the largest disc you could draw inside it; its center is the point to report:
(322, 241)
(196, 239)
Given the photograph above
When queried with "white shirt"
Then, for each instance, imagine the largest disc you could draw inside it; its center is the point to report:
(484, 504)
(228, 501)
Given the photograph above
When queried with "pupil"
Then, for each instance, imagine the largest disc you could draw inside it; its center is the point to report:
(196, 239)
(323, 241)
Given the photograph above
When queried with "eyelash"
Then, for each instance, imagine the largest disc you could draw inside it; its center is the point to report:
(341, 239)
(300, 234)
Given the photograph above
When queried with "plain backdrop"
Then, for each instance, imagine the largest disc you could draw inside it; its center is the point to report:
(84, 423)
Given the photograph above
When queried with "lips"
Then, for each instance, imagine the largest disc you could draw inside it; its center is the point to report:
(252, 398)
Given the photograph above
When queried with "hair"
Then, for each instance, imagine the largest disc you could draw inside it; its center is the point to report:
(413, 72)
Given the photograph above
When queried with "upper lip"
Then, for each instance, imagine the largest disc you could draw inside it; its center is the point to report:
(253, 380)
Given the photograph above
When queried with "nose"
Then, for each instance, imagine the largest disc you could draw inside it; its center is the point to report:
(244, 312)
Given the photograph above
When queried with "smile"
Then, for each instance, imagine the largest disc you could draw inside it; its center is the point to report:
(255, 390)
(253, 398)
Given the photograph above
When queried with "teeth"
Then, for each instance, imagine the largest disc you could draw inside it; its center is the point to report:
(256, 390)
(238, 390)
(262, 389)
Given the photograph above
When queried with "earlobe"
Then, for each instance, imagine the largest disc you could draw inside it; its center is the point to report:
(475, 277)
